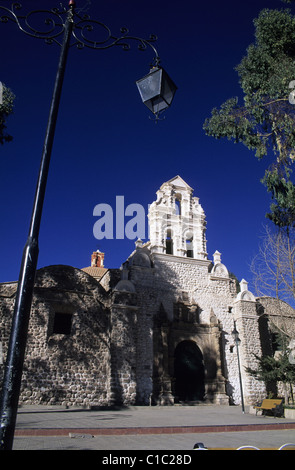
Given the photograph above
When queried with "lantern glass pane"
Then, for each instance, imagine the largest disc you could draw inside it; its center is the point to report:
(150, 85)
(168, 88)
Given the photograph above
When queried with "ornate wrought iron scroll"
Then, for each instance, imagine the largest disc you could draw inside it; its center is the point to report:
(49, 25)
(43, 24)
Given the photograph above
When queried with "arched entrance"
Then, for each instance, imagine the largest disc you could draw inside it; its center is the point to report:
(188, 372)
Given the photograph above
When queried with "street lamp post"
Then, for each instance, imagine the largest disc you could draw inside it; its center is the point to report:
(68, 23)
(237, 340)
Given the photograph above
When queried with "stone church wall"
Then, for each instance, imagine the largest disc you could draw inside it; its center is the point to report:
(68, 369)
(123, 348)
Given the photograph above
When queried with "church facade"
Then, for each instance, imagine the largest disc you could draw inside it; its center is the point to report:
(157, 331)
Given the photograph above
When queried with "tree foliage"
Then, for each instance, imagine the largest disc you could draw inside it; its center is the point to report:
(274, 369)
(265, 121)
(6, 108)
(271, 369)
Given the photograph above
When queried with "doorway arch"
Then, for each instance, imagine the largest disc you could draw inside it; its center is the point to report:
(189, 372)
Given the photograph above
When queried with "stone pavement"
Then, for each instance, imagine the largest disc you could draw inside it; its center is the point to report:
(148, 428)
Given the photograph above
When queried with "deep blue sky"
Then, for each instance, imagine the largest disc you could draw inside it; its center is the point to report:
(105, 144)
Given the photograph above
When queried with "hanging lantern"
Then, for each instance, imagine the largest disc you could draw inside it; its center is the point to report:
(157, 90)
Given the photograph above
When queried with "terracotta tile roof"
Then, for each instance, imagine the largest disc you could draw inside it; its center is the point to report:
(94, 271)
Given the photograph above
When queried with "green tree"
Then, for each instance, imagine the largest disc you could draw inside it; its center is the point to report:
(265, 121)
(6, 108)
(274, 369)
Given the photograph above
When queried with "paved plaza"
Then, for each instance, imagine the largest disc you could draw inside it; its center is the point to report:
(148, 428)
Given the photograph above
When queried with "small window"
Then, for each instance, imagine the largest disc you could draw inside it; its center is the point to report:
(62, 323)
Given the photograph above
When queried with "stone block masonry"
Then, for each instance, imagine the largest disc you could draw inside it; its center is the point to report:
(69, 366)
